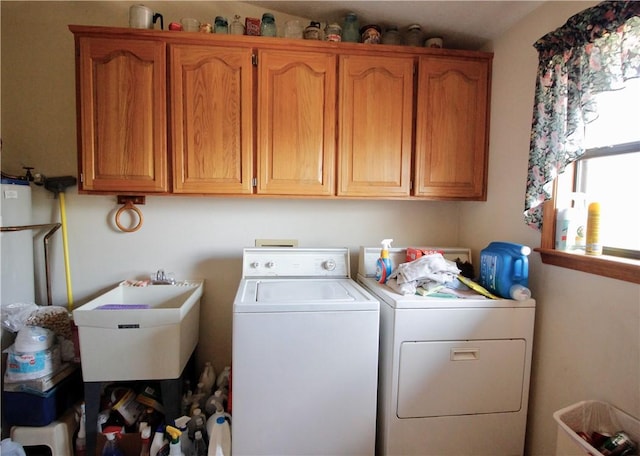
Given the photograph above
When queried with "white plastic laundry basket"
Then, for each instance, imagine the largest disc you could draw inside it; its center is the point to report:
(587, 417)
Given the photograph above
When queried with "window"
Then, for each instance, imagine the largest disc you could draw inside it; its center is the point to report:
(608, 172)
(579, 126)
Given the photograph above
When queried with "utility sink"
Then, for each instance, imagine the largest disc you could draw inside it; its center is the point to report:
(139, 333)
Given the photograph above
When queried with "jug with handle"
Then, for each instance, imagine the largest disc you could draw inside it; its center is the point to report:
(143, 17)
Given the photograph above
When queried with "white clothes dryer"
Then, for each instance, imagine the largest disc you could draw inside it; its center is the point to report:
(305, 356)
(453, 373)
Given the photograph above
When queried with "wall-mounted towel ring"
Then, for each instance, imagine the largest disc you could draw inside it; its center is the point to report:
(129, 204)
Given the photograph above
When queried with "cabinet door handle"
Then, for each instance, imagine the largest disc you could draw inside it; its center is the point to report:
(464, 354)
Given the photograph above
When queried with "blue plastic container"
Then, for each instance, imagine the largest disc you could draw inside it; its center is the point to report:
(502, 265)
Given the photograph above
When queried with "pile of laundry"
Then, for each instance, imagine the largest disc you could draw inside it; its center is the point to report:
(430, 275)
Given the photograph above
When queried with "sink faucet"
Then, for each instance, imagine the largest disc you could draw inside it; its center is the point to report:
(162, 279)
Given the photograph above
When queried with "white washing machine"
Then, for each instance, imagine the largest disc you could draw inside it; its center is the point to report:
(454, 373)
(305, 356)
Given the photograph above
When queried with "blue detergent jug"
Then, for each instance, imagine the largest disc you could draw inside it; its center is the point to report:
(502, 265)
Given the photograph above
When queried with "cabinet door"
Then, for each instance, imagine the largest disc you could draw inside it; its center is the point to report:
(376, 125)
(122, 121)
(211, 119)
(296, 123)
(452, 128)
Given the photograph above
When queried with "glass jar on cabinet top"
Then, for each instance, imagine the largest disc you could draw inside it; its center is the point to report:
(414, 36)
(221, 25)
(312, 32)
(351, 28)
(391, 35)
(236, 27)
(268, 25)
(333, 32)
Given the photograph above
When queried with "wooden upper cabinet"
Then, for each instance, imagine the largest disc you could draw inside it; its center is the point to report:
(296, 123)
(376, 125)
(122, 115)
(452, 121)
(211, 118)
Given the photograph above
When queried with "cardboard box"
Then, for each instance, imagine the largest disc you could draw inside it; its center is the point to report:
(413, 253)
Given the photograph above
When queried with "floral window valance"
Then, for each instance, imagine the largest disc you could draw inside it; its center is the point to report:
(597, 50)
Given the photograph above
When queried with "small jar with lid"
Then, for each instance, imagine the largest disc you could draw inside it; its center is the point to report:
(414, 36)
(391, 35)
(312, 32)
(268, 25)
(371, 34)
(333, 32)
(236, 27)
(351, 28)
(221, 25)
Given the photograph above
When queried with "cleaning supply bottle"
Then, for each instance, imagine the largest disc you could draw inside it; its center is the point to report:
(571, 223)
(384, 266)
(220, 439)
(185, 442)
(594, 246)
(502, 265)
(199, 445)
(145, 437)
(207, 378)
(158, 441)
(223, 379)
(111, 447)
(198, 422)
(81, 437)
(174, 443)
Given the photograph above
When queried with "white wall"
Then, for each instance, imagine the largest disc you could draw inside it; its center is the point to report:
(587, 336)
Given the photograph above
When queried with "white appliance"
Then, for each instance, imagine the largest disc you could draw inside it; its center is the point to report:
(305, 355)
(17, 246)
(454, 373)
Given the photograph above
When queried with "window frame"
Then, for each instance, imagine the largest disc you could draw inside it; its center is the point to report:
(614, 267)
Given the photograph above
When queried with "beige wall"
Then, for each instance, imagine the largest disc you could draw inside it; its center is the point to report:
(192, 237)
(587, 336)
(587, 328)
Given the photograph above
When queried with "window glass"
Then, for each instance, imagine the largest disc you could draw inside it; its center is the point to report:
(610, 170)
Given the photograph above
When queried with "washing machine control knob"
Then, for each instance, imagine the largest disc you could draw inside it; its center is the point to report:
(329, 265)
(270, 264)
(254, 265)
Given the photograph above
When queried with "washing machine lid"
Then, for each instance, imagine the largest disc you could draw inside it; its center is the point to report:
(302, 295)
(395, 300)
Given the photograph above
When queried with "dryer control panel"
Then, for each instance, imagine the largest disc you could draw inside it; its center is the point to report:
(295, 262)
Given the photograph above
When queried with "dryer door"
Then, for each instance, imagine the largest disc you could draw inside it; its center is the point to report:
(446, 378)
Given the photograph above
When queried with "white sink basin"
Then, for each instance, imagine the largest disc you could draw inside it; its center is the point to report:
(139, 333)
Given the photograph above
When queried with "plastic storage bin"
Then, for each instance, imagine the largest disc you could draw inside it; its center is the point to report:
(587, 417)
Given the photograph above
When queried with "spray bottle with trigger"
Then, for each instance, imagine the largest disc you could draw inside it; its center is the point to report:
(175, 448)
(384, 266)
